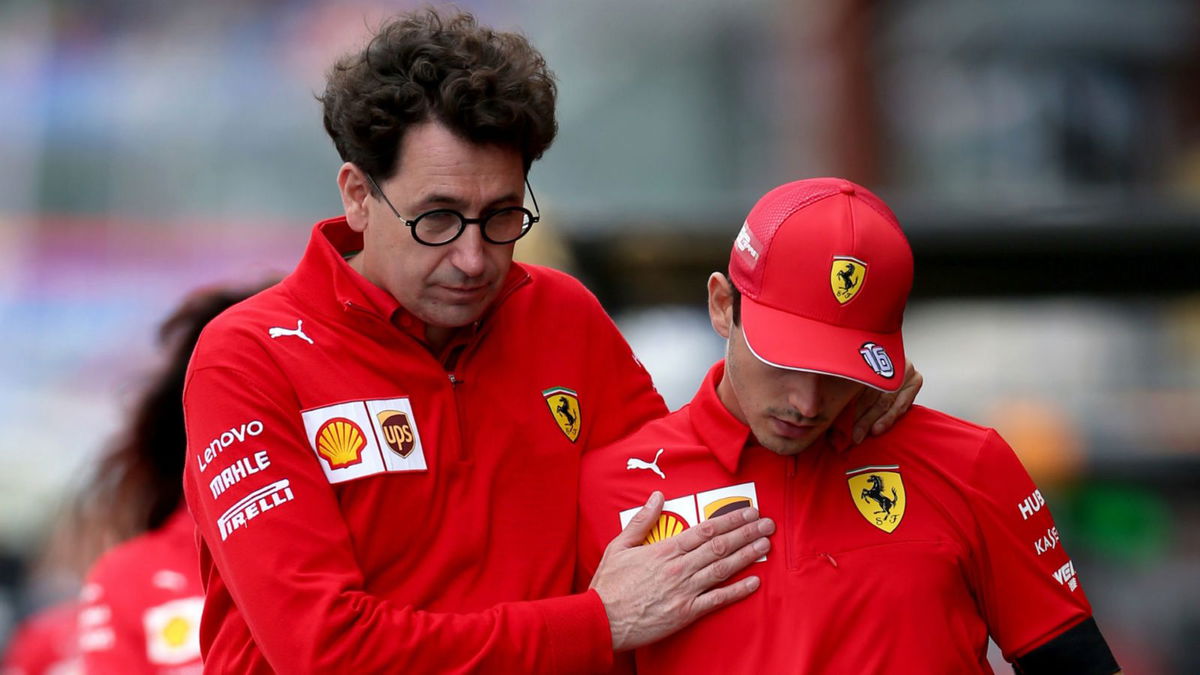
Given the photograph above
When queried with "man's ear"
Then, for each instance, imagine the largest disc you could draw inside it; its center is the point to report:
(356, 195)
(720, 304)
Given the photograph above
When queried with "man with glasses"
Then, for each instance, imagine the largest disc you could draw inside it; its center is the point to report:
(383, 450)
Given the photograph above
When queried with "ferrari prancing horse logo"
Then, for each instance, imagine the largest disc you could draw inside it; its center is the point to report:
(878, 492)
(564, 406)
(846, 278)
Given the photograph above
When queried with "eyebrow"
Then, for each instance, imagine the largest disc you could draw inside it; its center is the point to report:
(444, 200)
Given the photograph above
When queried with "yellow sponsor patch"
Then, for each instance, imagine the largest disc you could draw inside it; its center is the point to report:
(668, 525)
(846, 277)
(564, 407)
(340, 442)
(878, 492)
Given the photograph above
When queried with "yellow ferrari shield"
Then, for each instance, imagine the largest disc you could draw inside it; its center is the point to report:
(564, 406)
(846, 278)
(878, 492)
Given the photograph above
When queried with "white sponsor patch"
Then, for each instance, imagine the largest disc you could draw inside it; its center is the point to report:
(364, 438)
(697, 508)
(234, 473)
(683, 507)
(227, 438)
(1065, 575)
(173, 631)
(254, 505)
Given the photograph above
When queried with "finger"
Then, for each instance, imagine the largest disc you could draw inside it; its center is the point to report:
(695, 537)
(872, 414)
(723, 596)
(639, 526)
(868, 399)
(913, 381)
(749, 546)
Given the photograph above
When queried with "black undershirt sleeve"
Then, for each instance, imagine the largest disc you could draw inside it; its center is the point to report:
(1081, 649)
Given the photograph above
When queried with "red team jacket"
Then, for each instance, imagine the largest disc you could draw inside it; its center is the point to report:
(898, 555)
(367, 507)
(44, 644)
(141, 603)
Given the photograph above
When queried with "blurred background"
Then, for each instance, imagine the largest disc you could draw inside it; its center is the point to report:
(1044, 159)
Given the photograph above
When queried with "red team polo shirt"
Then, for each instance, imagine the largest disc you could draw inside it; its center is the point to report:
(898, 555)
(366, 506)
(44, 644)
(141, 605)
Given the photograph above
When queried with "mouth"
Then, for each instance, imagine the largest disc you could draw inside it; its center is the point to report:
(465, 293)
(791, 429)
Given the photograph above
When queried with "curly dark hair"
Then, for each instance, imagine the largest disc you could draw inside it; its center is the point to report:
(490, 88)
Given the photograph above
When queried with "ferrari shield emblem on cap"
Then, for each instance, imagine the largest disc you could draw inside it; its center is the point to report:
(846, 278)
(564, 407)
(878, 492)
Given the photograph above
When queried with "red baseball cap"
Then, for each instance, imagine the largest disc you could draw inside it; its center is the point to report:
(824, 272)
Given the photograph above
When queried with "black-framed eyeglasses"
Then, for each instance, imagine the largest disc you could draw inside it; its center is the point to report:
(442, 226)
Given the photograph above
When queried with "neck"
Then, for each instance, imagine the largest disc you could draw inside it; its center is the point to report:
(728, 397)
(437, 337)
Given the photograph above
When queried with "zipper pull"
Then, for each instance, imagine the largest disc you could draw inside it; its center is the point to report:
(454, 381)
(831, 560)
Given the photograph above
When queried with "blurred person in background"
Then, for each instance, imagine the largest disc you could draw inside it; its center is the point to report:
(141, 602)
(45, 643)
(383, 449)
(899, 554)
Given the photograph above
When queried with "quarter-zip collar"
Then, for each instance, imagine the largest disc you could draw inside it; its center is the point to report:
(324, 268)
(727, 437)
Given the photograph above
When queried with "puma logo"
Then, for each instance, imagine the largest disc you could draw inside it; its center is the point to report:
(635, 463)
(298, 332)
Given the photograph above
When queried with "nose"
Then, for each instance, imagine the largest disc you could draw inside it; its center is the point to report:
(805, 393)
(467, 254)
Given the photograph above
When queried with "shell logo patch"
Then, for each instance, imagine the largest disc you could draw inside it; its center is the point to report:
(356, 439)
(397, 432)
(668, 525)
(680, 513)
(846, 277)
(173, 631)
(878, 492)
(564, 407)
(340, 442)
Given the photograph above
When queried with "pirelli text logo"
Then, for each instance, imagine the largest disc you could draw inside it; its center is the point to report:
(254, 505)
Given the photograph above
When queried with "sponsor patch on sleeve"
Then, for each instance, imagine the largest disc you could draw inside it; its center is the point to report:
(364, 438)
(173, 631)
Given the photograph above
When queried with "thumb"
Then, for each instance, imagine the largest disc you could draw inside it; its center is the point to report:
(639, 526)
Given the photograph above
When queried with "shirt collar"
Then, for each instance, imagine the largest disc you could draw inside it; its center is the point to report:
(727, 437)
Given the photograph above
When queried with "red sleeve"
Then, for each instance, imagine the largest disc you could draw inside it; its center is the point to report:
(1025, 581)
(282, 549)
